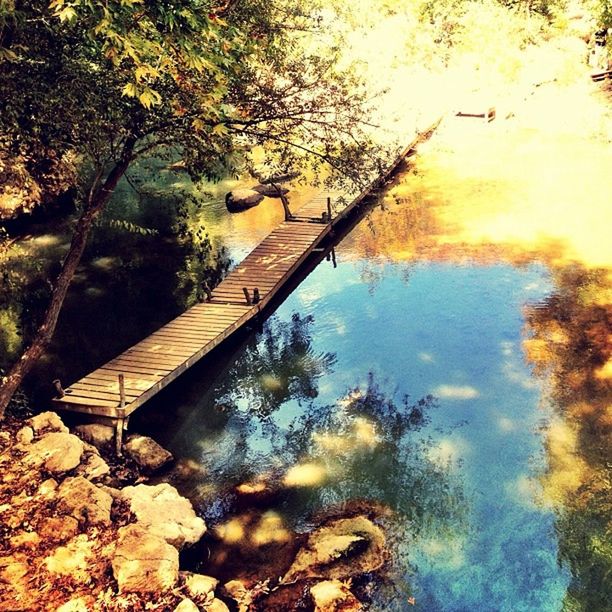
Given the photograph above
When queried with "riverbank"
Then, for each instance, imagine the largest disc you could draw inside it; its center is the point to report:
(82, 533)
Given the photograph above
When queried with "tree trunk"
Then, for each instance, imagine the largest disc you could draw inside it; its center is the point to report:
(45, 332)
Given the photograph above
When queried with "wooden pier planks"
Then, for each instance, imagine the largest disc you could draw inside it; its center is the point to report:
(153, 363)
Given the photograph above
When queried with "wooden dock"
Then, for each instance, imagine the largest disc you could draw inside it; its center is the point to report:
(116, 389)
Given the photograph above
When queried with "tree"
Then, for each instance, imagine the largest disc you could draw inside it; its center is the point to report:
(112, 82)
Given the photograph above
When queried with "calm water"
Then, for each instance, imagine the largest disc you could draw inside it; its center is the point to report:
(469, 532)
(405, 377)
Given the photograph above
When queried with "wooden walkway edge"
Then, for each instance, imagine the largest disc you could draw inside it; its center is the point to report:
(116, 389)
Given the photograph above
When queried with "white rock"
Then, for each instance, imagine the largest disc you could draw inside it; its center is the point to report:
(47, 421)
(186, 605)
(83, 500)
(199, 586)
(163, 512)
(25, 435)
(58, 451)
(143, 562)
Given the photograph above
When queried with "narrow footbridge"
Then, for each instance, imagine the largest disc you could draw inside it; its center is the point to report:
(116, 389)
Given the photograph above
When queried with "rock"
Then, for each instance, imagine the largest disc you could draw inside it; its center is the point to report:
(241, 199)
(270, 191)
(47, 421)
(333, 596)
(199, 586)
(80, 604)
(73, 560)
(58, 451)
(101, 436)
(186, 605)
(92, 466)
(216, 605)
(86, 502)
(147, 453)
(25, 435)
(163, 512)
(341, 549)
(144, 562)
(59, 529)
(47, 488)
(240, 594)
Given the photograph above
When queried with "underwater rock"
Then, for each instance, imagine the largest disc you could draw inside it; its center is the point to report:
(242, 199)
(147, 453)
(333, 596)
(341, 549)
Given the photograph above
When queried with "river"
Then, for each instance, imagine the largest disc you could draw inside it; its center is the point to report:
(451, 367)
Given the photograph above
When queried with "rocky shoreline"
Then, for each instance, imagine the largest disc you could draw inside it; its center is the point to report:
(82, 530)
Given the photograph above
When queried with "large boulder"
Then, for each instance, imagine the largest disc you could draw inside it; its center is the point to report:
(241, 199)
(163, 512)
(83, 500)
(144, 562)
(147, 453)
(341, 549)
(58, 451)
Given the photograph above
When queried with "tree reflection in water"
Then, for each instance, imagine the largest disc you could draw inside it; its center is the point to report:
(570, 346)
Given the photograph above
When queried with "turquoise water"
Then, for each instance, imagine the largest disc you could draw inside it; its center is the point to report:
(446, 428)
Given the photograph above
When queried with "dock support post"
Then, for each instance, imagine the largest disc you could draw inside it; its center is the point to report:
(256, 296)
(58, 388)
(119, 427)
(329, 210)
(333, 257)
(121, 391)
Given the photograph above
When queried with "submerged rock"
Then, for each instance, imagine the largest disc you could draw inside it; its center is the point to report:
(144, 562)
(242, 199)
(163, 512)
(333, 596)
(341, 549)
(147, 453)
(86, 502)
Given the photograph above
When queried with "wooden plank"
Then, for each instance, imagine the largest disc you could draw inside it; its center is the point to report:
(132, 369)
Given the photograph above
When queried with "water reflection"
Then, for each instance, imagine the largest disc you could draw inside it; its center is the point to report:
(569, 345)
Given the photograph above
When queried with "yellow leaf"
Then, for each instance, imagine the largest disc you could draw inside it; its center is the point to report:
(198, 125)
(66, 14)
(129, 90)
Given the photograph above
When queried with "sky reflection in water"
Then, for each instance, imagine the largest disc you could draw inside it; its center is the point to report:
(442, 329)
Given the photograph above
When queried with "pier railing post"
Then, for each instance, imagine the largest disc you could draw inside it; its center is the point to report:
(247, 296)
(57, 383)
(121, 391)
(329, 210)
